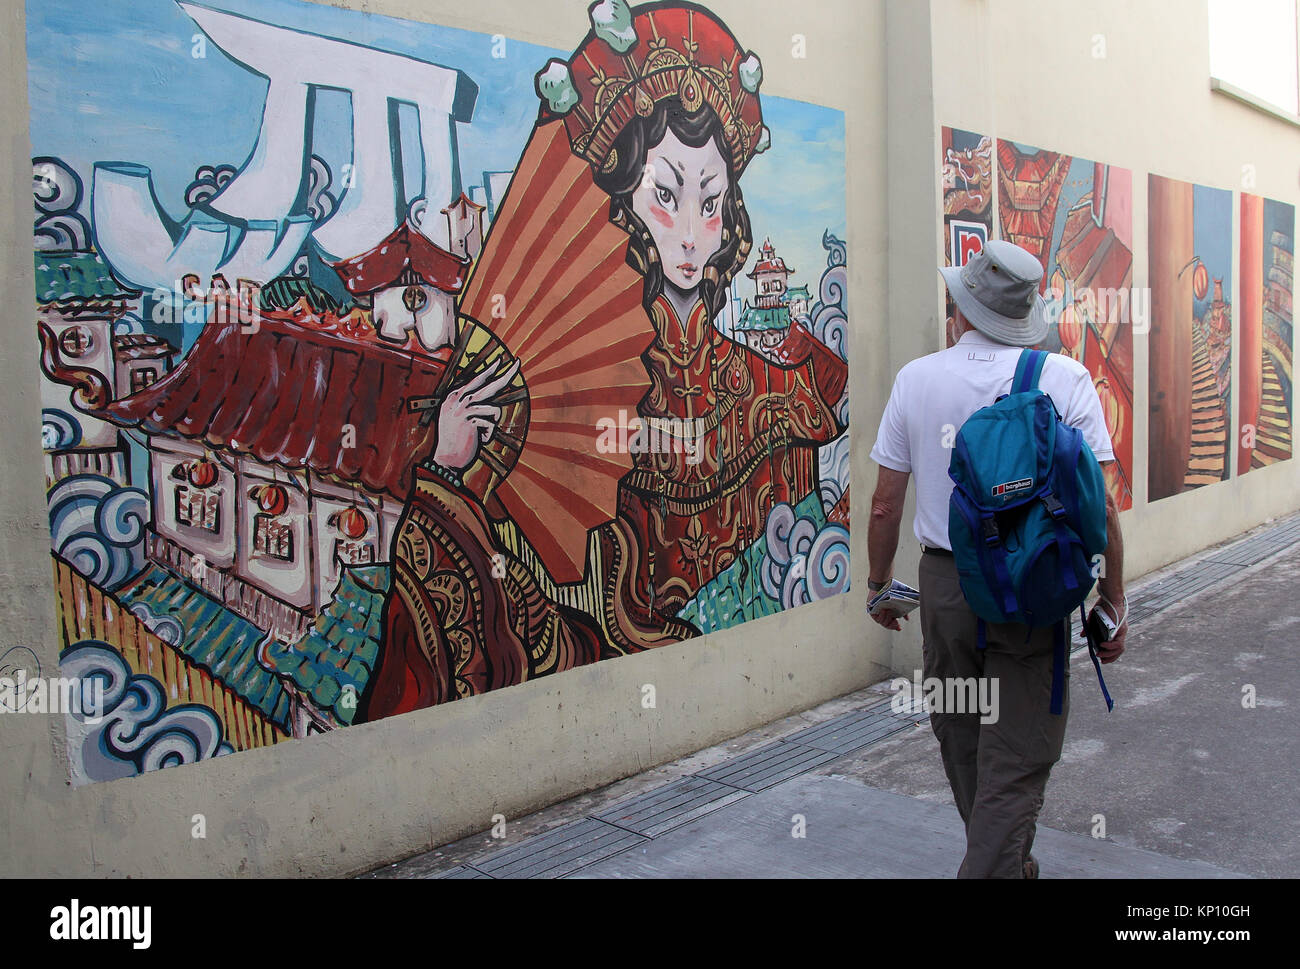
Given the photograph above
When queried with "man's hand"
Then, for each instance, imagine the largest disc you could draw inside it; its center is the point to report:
(1110, 651)
(889, 619)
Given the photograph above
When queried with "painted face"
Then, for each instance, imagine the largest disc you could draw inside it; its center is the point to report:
(680, 201)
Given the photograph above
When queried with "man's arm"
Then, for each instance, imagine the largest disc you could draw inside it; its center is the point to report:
(1111, 582)
(882, 532)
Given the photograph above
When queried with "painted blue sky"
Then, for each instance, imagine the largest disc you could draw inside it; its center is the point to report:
(1212, 238)
(116, 81)
(1278, 217)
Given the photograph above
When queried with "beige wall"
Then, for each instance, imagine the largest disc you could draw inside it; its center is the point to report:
(1026, 70)
(352, 799)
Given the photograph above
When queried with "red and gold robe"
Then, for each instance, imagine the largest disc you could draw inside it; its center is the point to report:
(472, 609)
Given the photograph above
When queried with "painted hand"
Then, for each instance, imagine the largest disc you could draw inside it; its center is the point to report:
(467, 418)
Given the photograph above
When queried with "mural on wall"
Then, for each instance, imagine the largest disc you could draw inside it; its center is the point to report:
(384, 371)
(1189, 233)
(966, 175)
(1076, 217)
(1267, 250)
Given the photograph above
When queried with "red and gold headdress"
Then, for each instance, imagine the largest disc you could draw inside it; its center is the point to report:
(628, 64)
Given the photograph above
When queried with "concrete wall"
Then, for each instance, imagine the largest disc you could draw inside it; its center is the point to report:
(352, 799)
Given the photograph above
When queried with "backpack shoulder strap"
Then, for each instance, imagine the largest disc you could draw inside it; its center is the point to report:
(1028, 369)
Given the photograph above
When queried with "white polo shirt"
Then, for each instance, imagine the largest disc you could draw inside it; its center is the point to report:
(935, 394)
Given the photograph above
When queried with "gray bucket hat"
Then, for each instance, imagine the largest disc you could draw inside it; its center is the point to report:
(997, 291)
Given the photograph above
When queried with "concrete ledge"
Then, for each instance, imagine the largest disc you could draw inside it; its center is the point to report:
(1259, 104)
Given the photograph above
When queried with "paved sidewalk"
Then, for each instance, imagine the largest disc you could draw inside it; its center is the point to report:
(1188, 781)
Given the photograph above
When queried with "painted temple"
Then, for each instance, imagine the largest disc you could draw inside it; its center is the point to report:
(763, 324)
(80, 307)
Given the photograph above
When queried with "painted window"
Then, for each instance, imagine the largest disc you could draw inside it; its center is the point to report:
(198, 509)
(142, 377)
(273, 537)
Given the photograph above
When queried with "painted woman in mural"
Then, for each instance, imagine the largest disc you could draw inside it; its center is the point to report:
(653, 448)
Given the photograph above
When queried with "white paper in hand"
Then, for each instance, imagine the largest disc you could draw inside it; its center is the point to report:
(898, 597)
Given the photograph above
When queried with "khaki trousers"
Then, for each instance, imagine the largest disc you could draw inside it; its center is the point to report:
(998, 771)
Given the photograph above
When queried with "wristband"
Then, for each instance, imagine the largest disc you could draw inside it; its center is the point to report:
(1119, 623)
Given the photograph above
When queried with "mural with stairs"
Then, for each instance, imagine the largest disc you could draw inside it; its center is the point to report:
(1273, 435)
(1267, 234)
(1208, 459)
(1192, 350)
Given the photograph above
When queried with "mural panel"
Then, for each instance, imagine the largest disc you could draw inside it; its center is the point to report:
(1190, 245)
(1076, 217)
(386, 364)
(966, 173)
(1267, 249)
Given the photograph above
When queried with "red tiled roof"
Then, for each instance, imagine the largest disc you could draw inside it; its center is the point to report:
(773, 266)
(404, 248)
(284, 394)
(770, 261)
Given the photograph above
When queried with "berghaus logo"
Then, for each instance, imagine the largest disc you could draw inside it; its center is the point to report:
(1009, 486)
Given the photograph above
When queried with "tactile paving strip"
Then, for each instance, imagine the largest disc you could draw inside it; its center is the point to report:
(850, 731)
(558, 852)
(667, 807)
(1212, 569)
(767, 766)
(460, 871)
(1255, 549)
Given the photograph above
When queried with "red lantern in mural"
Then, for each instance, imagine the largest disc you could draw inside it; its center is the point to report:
(1070, 330)
(350, 522)
(202, 473)
(271, 499)
(1110, 408)
(1200, 280)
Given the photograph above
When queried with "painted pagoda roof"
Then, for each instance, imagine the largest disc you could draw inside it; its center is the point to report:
(215, 638)
(405, 248)
(1029, 187)
(333, 660)
(768, 262)
(764, 318)
(63, 275)
(796, 291)
(284, 394)
(463, 202)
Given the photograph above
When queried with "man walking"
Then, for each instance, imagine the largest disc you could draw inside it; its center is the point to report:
(998, 771)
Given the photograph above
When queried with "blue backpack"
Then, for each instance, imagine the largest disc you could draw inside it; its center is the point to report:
(1027, 517)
